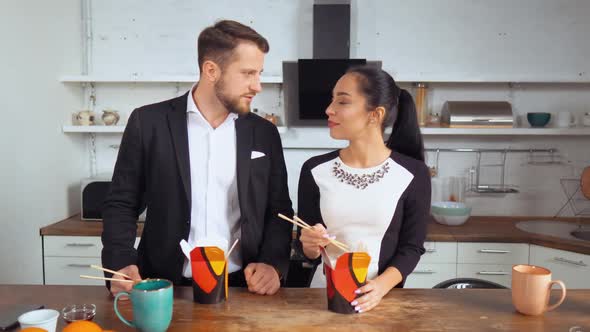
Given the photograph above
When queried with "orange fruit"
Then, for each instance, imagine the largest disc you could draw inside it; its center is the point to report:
(33, 329)
(82, 326)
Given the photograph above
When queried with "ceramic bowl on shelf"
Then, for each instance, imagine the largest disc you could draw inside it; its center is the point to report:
(450, 213)
(538, 119)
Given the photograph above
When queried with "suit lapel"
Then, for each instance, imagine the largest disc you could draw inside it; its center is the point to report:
(244, 151)
(179, 132)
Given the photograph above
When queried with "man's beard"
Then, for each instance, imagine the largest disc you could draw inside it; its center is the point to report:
(231, 104)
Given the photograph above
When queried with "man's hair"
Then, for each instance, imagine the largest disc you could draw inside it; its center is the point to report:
(217, 42)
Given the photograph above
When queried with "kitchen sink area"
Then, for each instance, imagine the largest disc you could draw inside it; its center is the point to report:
(560, 229)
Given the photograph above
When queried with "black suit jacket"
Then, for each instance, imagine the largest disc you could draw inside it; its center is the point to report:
(153, 167)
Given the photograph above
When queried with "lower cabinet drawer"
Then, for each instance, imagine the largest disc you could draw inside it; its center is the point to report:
(570, 267)
(427, 275)
(67, 270)
(498, 273)
(75, 246)
(439, 252)
(492, 253)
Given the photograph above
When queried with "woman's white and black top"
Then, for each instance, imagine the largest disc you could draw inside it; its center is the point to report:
(383, 210)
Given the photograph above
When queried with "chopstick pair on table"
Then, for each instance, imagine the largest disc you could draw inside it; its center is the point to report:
(129, 279)
(298, 222)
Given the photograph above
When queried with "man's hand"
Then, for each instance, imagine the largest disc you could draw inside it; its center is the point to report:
(262, 279)
(117, 286)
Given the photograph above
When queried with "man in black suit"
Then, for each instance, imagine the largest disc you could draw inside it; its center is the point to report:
(207, 169)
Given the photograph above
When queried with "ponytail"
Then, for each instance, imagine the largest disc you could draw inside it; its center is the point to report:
(406, 137)
(380, 89)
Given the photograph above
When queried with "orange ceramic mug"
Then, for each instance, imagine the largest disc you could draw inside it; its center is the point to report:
(531, 287)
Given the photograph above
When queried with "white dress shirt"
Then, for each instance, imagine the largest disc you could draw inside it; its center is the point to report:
(215, 209)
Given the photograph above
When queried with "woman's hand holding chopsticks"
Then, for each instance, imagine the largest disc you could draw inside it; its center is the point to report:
(314, 238)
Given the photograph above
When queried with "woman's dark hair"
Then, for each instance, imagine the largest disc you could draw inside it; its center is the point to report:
(379, 89)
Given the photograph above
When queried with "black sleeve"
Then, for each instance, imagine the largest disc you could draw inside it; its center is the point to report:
(308, 206)
(416, 215)
(276, 244)
(122, 205)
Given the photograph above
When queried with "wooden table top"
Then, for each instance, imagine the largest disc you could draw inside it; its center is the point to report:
(296, 309)
(476, 229)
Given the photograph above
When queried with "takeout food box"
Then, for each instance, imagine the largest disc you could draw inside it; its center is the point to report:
(208, 264)
(209, 268)
(344, 275)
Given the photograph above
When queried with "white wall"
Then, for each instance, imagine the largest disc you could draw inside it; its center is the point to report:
(428, 40)
(41, 167)
(421, 43)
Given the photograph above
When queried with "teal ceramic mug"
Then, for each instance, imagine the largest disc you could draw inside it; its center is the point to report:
(152, 305)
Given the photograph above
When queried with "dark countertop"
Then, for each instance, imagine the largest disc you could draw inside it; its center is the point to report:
(74, 226)
(476, 229)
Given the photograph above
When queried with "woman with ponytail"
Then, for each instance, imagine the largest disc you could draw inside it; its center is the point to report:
(373, 196)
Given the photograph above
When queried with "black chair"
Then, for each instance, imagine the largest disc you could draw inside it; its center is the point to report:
(462, 283)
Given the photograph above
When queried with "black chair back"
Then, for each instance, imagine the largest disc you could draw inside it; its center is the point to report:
(462, 283)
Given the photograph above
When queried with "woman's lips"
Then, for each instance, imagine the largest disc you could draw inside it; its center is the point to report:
(332, 124)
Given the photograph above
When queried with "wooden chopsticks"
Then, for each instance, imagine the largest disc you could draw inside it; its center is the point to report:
(129, 279)
(111, 271)
(103, 278)
(304, 225)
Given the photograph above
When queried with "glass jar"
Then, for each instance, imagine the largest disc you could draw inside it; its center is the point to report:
(433, 120)
(421, 101)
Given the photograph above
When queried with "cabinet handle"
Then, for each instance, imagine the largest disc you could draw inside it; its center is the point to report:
(79, 245)
(424, 271)
(564, 260)
(492, 273)
(430, 250)
(494, 251)
(79, 265)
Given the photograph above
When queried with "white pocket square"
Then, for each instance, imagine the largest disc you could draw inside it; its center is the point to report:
(257, 154)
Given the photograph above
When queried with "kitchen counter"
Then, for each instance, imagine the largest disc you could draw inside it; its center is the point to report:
(74, 226)
(476, 229)
(295, 309)
(503, 229)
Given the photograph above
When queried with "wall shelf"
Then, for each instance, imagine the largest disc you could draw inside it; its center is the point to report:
(279, 79)
(147, 79)
(579, 131)
(93, 129)
(488, 80)
(114, 129)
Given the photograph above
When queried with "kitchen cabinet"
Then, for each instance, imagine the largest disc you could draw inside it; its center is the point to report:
(439, 263)
(492, 253)
(427, 275)
(570, 267)
(498, 273)
(490, 261)
(65, 258)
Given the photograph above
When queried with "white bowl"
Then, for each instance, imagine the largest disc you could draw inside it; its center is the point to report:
(450, 220)
(42, 318)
